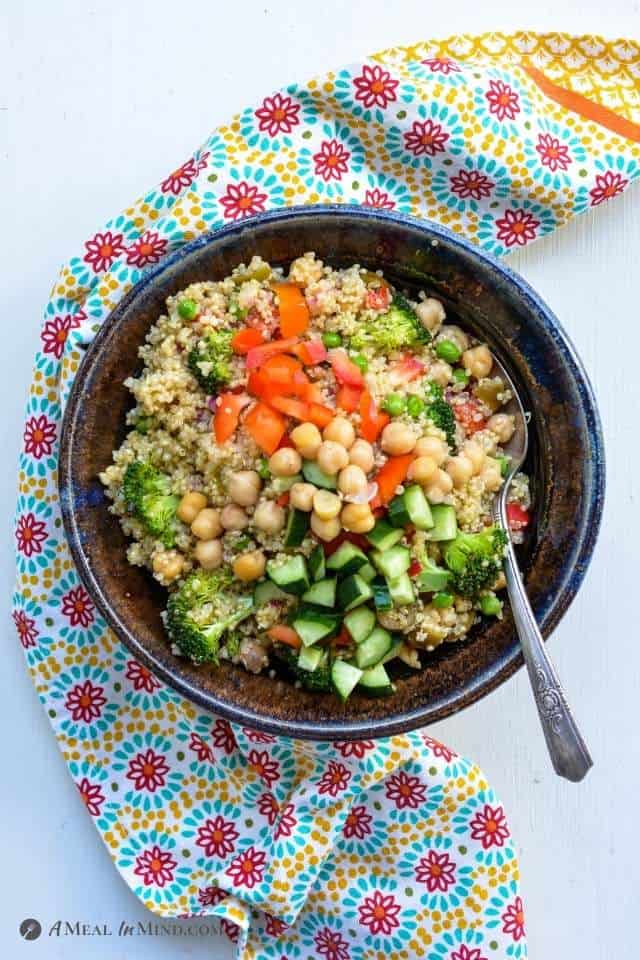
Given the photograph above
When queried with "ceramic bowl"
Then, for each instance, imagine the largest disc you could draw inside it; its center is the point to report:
(566, 463)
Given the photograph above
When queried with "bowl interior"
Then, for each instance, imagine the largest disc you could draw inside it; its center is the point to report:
(565, 463)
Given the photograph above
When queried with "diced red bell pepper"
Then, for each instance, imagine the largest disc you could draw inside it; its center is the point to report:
(348, 398)
(389, 478)
(311, 352)
(291, 407)
(320, 415)
(344, 370)
(281, 369)
(407, 369)
(517, 517)
(311, 393)
(378, 298)
(266, 426)
(258, 355)
(228, 407)
(469, 416)
(357, 539)
(343, 639)
(281, 633)
(371, 422)
(283, 499)
(414, 568)
(293, 309)
(245, 339)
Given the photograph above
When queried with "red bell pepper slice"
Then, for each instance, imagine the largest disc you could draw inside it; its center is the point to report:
(348, 398)
(258, 355)
(344, 370)
(245, 339)
(281, 633)
(372, 423)
(311, 352)
(228, 407)
(266, 426)
(389, 478)
(293, 309)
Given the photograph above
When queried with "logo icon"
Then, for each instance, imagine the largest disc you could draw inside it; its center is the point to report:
(30, 929)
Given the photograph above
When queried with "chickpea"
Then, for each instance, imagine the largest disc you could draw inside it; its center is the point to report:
(207, 525)
(397, 438)
(422, 469)
(439, 487)
(208, 553)
(491, 475)
(190, 506)
(352, 479)
(503, 425)
(325, 529)
(233, 517)
(249, 566)
(168, 565)
(301, 496)
(244, 487)
(326, 505)
(440, 372)
(357, 518)
(453, 333)
(268, 516)
(432, 447)
(361, 455)
(341, 431)
(460, 469)
(477, 361)
(285, 462)
(430, 314)
(474, 452)
(332, 457)
(307, 439)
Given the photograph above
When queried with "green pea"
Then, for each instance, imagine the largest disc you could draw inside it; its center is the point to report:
(460, 375)
(394, 404)
(415, 406)
(442, 600)
(263, 469)
(188, 309)
(361, 362)
(332, 340)
(447, 350)
(490, 605)
(504, 465)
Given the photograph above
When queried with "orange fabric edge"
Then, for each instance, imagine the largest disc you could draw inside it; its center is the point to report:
(581, 105)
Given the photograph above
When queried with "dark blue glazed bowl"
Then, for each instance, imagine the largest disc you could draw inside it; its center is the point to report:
(566, 462)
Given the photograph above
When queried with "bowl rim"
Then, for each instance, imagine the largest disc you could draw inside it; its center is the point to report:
(548, 616)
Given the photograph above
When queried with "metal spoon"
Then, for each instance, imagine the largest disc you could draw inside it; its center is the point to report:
(568, 751)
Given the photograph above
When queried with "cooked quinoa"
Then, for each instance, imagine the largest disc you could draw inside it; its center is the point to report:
(282, 420)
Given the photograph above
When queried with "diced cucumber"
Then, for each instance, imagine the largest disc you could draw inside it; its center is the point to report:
(373, 649)
(345, 677)
(297, 526)
(323, 593)
(375, 681)
(401, 590)
(367, 572)
(395, 648)
(353, 591)
(381, 595)
(392, 563)
(289, 574)
(411, 507)
(432, 578)
(312, 625)
(347, 559)
(283, 484)
(313, 474)
(265, 592)
(445, 525)
(383, 536)
(316, 563)
(310, 658)
(360, 622)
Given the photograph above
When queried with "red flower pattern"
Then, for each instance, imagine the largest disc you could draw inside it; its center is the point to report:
(335, 779)
(39, 436)
(202, 750)
(517, 228)
(211, 896)
(441, 65)
(85, 701)
(148, 248)
(267, 768)
(503, 101)
(471, 183)
(358, 823)
(286, 823)
(513, 919)
(78, 607)
(354, 748)
(91, 795)
(148, 771)
(437, 870)
(242, 200)
(30, 534)
(405, 791)
(608, 185)
(222, 736)
(26, 627)
(331, 944)
(274, 926)
(553, 154)
(438, 749)
(489, 825)
(378, 199)
(217, 837)
(247, 868)
(103, 249)
(425, 139)
(142, 678)
(278, 114)
(184, 175)
(155, 866)
(268, 806)
(464, 953)
(55, 332)
(379, 913)
(331, 160)
(375, 87)
(257, 736)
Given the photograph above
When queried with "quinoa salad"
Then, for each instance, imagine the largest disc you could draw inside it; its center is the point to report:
(309, 471)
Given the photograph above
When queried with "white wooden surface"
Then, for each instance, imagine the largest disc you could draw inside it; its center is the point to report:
(98, 100)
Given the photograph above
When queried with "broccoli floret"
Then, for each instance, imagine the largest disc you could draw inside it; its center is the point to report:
(440, 412)
(147, 493)
(318, 679)
(210, 361)
(396, 329)
(201, 610)
(475, 560)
